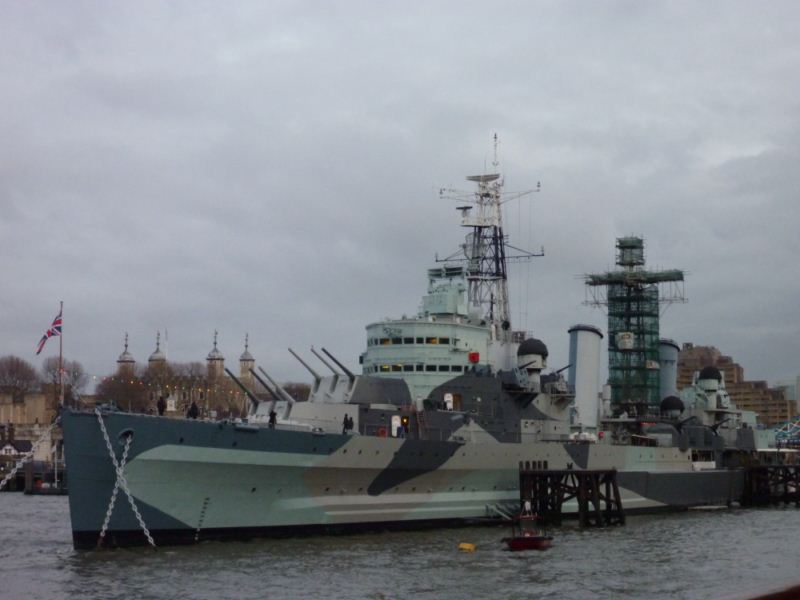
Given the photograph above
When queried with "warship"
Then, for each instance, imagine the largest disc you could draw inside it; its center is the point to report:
(449, 405)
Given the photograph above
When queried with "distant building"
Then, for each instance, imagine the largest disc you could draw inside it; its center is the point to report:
(18, 438)
(770, 404)
(791, 389)
(15, 448)
(31, 409)
(181, 384)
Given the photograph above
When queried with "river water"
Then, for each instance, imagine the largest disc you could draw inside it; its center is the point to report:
(721, 554)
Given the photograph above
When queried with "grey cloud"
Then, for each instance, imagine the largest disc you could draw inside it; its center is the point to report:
(273, 168)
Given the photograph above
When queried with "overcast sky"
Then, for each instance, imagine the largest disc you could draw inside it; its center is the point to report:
(272, 167)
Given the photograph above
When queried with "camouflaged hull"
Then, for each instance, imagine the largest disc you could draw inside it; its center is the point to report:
(196, 480)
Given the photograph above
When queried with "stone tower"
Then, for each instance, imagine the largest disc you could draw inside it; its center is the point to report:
(246, 362)
(158, 360)
(216, 362)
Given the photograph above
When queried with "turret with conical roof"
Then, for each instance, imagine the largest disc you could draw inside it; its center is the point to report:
(158, 356)
(216, 362)
(126, 365)
(246, 362)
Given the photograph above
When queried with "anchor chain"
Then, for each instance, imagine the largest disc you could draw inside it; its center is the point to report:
(29, 454)
(121, 482)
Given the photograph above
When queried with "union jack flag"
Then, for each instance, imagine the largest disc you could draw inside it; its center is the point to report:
(55, 329)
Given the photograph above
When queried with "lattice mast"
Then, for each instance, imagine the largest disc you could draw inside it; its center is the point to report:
(484, 249)
(634, 297)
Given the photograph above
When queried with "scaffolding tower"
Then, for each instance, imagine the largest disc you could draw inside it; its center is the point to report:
(633, 297)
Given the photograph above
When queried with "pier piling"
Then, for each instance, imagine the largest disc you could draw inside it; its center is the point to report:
(771, 484)
(595, 491)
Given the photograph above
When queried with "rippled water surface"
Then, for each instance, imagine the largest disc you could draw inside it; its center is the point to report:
(720, 554)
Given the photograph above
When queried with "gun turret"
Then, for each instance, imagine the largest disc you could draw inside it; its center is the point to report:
(254, 401)
(335, 378)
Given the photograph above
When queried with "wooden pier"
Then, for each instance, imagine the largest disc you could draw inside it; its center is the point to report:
(44, 479)
(771, 484)
(596, 492)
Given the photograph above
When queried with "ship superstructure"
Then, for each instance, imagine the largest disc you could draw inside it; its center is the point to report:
(464, 321)
(443, 341)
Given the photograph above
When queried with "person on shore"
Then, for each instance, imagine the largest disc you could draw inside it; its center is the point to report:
(161, 405)
(193, 411)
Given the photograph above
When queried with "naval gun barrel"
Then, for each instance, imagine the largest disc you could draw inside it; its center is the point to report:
(335, 378)
(349, 374)
(267, 387)
(281, 392)
(716, 425)
(324, 362)
(314, 374)
(254, 401)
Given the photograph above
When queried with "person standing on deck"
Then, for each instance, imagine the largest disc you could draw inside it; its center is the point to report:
(193, 411)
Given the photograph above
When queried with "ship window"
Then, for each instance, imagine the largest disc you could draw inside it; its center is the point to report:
(430, 367)
(444, 368)
(397, 340)
(396, 368)
(420, 367)
(431, 340)
(408, 340)
(420, 340)
(444, 340)
(457, 368)
(408, 367)
(385, 341)
(385, 368)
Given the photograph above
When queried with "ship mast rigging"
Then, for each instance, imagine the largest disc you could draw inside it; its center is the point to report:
(485, 248)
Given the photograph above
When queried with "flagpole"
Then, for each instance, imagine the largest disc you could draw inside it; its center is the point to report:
(61, 357)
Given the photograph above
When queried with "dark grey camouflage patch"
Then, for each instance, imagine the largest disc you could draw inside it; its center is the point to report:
(414, 458)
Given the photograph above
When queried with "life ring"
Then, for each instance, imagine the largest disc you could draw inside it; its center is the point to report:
(382, 432)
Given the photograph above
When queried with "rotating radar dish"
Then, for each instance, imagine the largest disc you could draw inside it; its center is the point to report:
(484, 178)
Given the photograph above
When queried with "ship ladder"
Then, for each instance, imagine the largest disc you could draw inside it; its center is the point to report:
(29, 454)
(121, 482)
(421, 427)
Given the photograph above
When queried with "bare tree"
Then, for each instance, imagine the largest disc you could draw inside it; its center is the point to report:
(17, 377)
(127, 393)
(75, 378)
(191, 370)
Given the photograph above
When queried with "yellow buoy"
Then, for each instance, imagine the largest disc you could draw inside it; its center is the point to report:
(466, 547)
